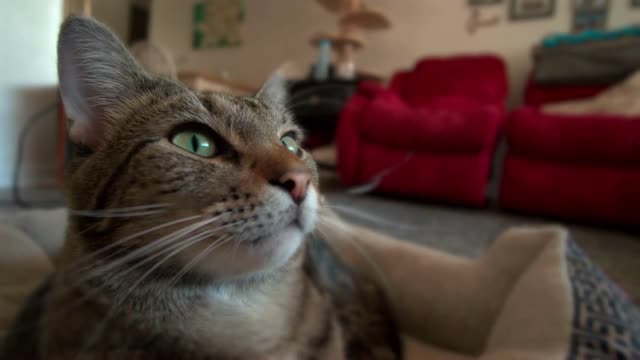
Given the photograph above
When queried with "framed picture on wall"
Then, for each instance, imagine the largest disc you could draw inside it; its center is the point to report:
(484, 2)
(531, 9)
(590, 5)
(218, 23)
(590, 15)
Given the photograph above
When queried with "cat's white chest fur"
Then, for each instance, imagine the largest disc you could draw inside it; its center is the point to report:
(259, 321)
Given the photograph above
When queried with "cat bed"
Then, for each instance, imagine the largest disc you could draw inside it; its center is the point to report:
(534, 295)
(29, 241)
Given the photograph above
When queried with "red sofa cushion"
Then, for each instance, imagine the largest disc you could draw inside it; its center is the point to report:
(480, 77)
(602, 194)
(592, 139)
(461, 127)
(348, 139)
(456, 178)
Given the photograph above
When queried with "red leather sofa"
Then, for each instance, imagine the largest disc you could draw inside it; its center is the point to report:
(430, 134)
(584, 167)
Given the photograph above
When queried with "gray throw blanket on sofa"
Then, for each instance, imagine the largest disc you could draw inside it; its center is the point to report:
(594, 62)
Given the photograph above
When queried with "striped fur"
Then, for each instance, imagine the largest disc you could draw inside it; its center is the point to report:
(260, 288)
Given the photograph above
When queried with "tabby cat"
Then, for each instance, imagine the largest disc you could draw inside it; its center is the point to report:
(191, 230)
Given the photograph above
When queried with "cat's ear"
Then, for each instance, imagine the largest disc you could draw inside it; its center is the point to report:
(274, 90)
(95, 72)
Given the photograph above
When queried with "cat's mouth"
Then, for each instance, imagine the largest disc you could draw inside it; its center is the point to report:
(292, 227)
(259, 239)
(301, 222)
(296, 224)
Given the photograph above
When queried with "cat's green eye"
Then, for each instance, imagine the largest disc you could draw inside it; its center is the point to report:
(291, 144)
(194, 142)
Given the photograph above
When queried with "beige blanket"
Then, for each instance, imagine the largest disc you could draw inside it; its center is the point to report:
(448, 307)
(622, 99)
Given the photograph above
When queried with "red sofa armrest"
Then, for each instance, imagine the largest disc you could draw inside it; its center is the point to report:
(370, 88)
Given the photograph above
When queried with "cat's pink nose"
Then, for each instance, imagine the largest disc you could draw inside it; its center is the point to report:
(296, 183)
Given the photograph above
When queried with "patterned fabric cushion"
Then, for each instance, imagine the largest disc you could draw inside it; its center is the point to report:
(606, 325)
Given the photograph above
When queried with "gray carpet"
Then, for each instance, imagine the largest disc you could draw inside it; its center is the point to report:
(468, 232)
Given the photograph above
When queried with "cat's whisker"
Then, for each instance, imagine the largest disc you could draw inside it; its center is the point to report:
(81, 264)
(370, 218)
(174, 249)
(148, 248)
(130, 208)
(147, 259)
(153, 245)
(93, 273)
(115, 277)
(312, 90)
(319, 101)
(114, 244)
(235, 250)
(132, 288)
(139, 210)
(382, 277)
(106, 214)
(292, 105)
(196, 259)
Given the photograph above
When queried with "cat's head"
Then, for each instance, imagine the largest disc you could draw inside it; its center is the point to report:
(210, 181)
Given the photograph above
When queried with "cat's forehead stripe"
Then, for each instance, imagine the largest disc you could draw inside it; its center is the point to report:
(248, 118)
(206, 102)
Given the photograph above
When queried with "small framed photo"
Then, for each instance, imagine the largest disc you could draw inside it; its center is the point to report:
(532, 9)
(484, 2)
(590, 5)
(590, 15)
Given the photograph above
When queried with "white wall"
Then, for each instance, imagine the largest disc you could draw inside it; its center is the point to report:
(279, 30)
(28, 81)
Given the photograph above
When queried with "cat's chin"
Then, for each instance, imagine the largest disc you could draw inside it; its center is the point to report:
(246, 257)
(275, 250)
(258, 256)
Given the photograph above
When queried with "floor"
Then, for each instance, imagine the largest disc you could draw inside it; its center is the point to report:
(468, 232)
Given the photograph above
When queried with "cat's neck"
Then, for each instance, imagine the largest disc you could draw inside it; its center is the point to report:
(227, 310)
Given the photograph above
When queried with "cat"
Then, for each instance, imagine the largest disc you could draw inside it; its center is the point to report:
(191, 229)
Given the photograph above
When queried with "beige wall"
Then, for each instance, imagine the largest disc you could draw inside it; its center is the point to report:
(278, 30)
(114, 13)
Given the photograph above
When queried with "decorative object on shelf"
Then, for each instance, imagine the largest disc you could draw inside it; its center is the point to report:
(484, 2)
(590, 15)
(218, 23)
(355, 16)
(322, 65)
(476, 21)
(532, 9)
